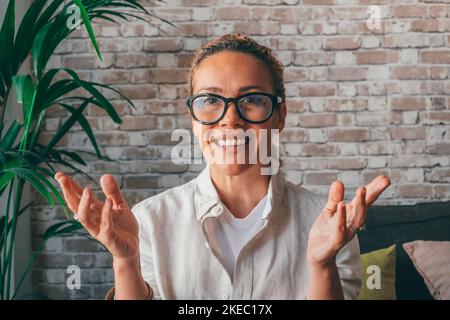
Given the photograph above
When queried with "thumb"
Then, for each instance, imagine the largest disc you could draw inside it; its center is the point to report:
(111, 189)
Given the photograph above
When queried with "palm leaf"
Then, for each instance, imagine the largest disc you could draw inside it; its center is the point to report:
(73, 156)
(35, 180)
(2, 89)
(10, 136)
(64, 128)
(24, 88)
(62, 228)
(7, 42)
(97, 94)
(84, 124)
(58, 229)
(90, 30)
(46, 16)
(5, 179)
(3, 221)
(26, 32)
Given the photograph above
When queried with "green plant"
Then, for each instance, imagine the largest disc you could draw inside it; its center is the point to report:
(23, 159)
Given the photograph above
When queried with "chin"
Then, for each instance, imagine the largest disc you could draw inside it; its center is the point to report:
(225, 159)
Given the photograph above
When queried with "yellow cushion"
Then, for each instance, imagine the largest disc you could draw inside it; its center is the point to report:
(378, 275)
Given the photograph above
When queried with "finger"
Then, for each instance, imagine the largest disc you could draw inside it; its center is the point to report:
(375, 188)
(107, 220)
(73, 189)
(72, 195)
(358, 216)
(335, 195)
(75, 186)
(59, 174)
(84, 210)
(111, 189)
(340, 223)
(96, 213)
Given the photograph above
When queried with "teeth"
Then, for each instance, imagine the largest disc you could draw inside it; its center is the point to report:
(230, 142)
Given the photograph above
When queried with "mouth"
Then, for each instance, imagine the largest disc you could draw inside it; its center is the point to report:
(229, 142)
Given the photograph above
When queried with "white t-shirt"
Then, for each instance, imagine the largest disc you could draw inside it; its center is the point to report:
(234, 233)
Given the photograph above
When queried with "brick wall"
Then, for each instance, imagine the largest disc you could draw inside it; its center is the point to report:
(361, 103)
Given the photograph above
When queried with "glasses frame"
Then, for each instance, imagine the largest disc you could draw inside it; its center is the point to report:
(276, 101)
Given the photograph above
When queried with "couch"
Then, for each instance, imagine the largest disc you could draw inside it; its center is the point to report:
(387, 225)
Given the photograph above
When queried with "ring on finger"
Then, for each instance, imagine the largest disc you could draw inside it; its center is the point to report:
(355, 230)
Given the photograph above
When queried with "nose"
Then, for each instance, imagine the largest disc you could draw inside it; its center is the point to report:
(231, 118)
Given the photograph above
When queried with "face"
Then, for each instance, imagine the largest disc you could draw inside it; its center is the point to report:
(231, 74)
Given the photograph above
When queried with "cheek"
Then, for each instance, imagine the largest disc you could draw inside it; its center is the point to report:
(196, 128)
(276, 120)
(272, 123)
(202, 132)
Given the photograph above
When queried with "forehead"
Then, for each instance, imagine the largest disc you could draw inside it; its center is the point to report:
(230, 71)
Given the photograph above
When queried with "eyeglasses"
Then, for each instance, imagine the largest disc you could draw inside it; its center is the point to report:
(253, 107)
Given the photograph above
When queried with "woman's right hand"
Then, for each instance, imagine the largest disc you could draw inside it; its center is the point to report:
(110, 222)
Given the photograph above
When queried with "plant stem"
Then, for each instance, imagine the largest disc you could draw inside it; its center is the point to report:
(5, 103)
(36, 131)
(5, 239)
(17, 198)
(29, 265)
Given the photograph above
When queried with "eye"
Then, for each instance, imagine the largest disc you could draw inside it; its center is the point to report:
(252, 100)
(202, 102)
(211, 100)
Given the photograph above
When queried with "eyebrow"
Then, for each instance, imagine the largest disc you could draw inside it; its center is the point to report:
(241, 89)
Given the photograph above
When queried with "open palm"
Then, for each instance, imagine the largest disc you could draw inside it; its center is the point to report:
(111, 222)
(337, 223)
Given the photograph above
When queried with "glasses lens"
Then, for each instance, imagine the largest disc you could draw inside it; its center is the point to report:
(207, 109)
(255, 107)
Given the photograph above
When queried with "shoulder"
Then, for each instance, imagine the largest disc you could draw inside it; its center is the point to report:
(302, 194)
(304, 204)
(171, 200)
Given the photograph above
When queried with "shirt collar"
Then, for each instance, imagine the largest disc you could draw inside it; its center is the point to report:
(207, 200)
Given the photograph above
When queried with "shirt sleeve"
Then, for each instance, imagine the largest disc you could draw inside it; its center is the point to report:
(348, 262)
(146, 257)
(349, 267)
(145, 249)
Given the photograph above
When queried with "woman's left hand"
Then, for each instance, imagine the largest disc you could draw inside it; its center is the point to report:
(338, 222)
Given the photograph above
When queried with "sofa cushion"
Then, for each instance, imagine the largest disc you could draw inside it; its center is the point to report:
(387, 225)
(378, 275)
(432, 261)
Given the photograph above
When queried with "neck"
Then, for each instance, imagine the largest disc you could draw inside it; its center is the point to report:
(240, 193)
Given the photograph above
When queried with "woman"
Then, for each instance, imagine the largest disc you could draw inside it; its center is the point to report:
(231, 233)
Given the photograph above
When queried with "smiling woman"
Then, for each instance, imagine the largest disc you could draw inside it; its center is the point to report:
(232, 232)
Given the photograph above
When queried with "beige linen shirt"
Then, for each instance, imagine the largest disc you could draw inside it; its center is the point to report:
(181, 257)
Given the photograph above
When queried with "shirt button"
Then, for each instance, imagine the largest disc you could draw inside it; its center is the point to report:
(226, 296)
(206, 245)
